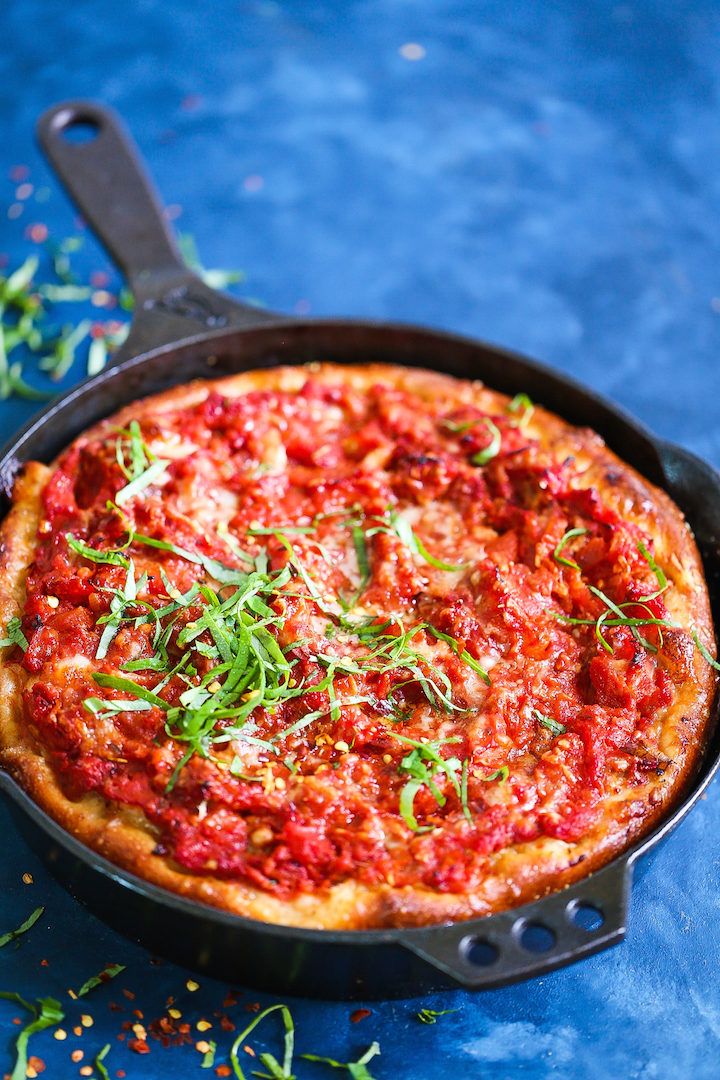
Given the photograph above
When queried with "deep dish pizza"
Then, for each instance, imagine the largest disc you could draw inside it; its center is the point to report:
(350, 646)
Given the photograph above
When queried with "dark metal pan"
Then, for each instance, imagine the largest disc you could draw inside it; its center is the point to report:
(183, 330)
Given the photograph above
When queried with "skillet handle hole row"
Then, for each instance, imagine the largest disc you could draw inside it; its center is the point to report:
(533, 936)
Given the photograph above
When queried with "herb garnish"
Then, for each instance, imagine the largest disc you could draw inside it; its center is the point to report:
(15, 635)
(358, 1069)
(493, 447)
(522, 401)
(704, 652)
(11, 935)
(99, 1062)
(500, 775)
(208, 1059)
(459, 427)
(423, 764)
(429, 1016)
(46, 1013)
(553, 726)
(275, 1069)
(557, 553)
(393, 523)
(100, 979)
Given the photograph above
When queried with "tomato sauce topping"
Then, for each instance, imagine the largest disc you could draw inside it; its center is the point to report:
(326, 634)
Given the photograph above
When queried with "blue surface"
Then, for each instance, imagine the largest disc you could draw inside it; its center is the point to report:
(545, 176)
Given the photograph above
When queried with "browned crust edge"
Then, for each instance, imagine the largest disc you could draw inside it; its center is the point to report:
(520, 874)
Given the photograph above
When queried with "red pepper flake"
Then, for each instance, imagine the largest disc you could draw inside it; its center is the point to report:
(77, 1055)
(19, 173)
(16, 1020)
(253, 1006)
(121, 1074)
(360, 1014)
(38, 233)
(222, 1070)
(44, 963)
(129, 995)
(226, 1023)
(229, 1001)
(139, 1014)
(140, 1046)
(99, 279)
(36, 1063)
(114, 1007)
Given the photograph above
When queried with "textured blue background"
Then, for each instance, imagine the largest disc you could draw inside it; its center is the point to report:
(546, 176)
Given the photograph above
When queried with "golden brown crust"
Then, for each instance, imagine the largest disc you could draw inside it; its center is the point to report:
(517, 874)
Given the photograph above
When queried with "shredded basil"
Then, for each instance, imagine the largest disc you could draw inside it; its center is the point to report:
(659, 573)
(553, 726)
(276, 1070)
(5, 939)
(493, 448)
(154, 473)
(522, 401)
(208, 1059)
(108, 973)
(429, 1016)
(14, 635)
(422, 765)
(47, 1012)
(459, 428)
(358, 1069)
(557, 553)
(112, 557)
(392, 522)
(500, 775)
(705, 652)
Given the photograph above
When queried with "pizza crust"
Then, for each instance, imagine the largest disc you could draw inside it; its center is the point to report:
(518, 874)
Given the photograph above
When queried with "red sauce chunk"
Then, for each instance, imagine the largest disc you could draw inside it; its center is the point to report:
(326, 634)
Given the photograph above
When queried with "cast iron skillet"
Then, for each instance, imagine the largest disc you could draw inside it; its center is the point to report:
(183, 330)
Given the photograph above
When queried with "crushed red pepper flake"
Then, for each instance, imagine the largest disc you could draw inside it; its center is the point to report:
(139, 1046)
(360, 1014)
(222, 1070)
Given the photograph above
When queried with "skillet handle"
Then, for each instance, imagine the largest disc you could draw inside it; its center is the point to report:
(531, 940)
(106, 179)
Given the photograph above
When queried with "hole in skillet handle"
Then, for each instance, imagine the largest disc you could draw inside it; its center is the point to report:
(534, 939)
(75, 126)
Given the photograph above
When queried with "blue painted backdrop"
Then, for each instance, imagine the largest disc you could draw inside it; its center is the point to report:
(546, 176)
